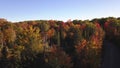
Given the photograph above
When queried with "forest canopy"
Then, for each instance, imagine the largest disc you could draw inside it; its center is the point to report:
(56, 44)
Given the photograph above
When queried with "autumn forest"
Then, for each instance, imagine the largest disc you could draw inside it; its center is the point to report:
(56, 44)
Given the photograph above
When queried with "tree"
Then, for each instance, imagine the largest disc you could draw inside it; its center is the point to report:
(9, 34)
(59, 59)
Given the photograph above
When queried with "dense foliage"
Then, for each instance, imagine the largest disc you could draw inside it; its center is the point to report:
(55, 44)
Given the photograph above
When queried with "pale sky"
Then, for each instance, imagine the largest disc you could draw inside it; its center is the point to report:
(20, 10)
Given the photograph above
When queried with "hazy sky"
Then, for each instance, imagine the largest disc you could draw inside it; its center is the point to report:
(19, 10)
